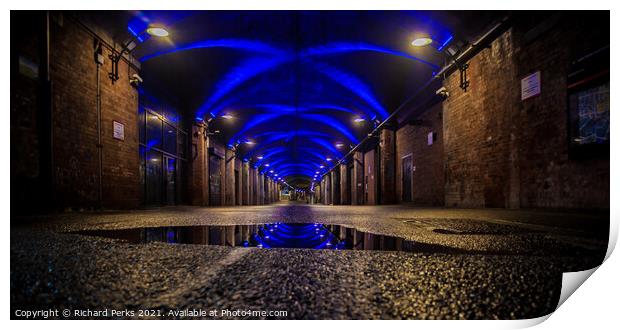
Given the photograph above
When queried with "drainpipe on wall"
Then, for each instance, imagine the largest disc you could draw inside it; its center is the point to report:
(99, 59)
(45, 118)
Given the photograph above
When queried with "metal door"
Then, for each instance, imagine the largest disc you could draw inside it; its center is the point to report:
(170, 179)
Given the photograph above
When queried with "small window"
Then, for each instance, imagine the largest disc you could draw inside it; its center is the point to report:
(588, 105)
(589, 109)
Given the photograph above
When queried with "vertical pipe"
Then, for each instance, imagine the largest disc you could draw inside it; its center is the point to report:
(45, 118)
(99, 145)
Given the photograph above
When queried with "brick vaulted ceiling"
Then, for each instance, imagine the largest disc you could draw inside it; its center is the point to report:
(301, 86)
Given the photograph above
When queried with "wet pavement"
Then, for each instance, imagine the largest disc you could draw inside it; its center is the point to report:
(466, 263)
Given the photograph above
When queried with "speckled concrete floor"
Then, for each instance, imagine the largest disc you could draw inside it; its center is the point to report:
(496, 264)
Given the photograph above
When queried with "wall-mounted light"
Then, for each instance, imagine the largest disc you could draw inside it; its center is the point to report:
(359, 120)
(426, 40)
(328, 159)
(227, 116)
(259, 157)
(339, 145)
(129, 46)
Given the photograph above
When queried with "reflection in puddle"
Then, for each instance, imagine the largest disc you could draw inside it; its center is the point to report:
(273, 235)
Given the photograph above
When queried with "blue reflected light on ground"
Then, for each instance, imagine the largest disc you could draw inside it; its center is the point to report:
(270, 236)
(306, 236)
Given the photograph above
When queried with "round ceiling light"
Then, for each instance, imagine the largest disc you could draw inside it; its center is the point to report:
(157, 31)
(420, 42)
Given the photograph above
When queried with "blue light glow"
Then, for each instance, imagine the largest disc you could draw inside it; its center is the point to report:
(347, 47)
(445, 43)
(239, 44)
(239, 75)
(292, 123)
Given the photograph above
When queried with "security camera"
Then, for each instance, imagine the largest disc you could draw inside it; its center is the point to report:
(135, 80)
(443, 92)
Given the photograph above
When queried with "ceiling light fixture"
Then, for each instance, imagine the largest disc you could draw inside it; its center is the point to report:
(421, 42)
(157, 31)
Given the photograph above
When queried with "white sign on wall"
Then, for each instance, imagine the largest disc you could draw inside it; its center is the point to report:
(119, 131)
(530, 86)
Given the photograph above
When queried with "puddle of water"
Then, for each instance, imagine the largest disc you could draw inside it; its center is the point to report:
(272, 235)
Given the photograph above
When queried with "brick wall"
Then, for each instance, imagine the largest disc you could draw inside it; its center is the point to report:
(74, 79)
(73, 73)
(548, 175)
(477, 129)
(504, 152)
(428, 175)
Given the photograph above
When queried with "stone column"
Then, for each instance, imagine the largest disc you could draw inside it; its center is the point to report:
(328, 189)
(253, 186)
(271, 189)
(267, 190)
(335, 178)
(370, 177)
(261, 189)
(322, 190)
(199, 166)
(317, 193)
(345, 185)
(238, 182)
(387, 167)
(229, 178)
(245, 183)
(357, 194)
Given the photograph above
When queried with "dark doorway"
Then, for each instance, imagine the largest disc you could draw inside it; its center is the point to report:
(407, 175)
(170, 179)
(153, 188)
